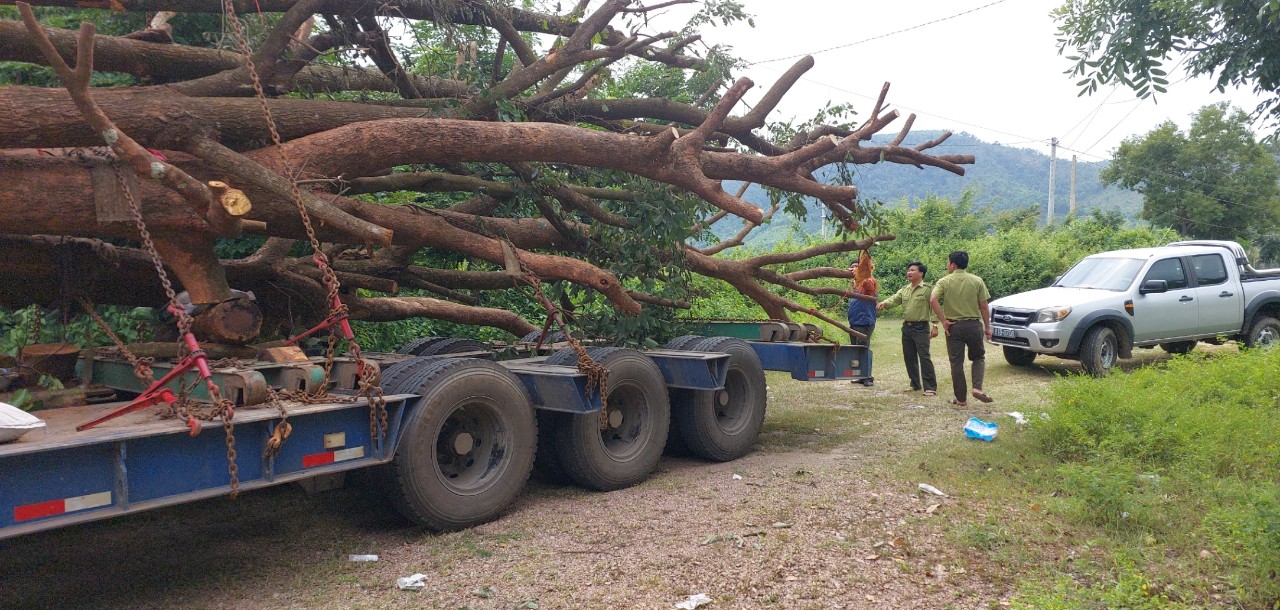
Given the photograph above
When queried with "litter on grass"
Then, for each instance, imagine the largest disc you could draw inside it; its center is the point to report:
(981, 430)
(694, 601)
(417, 582)
(927, 488)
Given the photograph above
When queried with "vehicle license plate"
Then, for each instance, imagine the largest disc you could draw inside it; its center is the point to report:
(1007, 333)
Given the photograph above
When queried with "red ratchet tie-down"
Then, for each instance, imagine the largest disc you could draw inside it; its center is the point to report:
(158, 393)
(339, 317)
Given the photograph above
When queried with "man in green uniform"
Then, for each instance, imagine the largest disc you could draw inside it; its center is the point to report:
(960, 302)
(916, 330)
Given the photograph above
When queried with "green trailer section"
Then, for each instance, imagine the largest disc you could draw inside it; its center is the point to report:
(757, 330)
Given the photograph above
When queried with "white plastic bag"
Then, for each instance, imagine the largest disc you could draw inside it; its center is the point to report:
(15, 422)
(417, 582)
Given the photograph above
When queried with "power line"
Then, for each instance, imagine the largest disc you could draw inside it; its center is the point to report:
(894, 33)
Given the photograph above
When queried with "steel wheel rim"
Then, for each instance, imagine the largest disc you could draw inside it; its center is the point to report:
(1267, 336)
(471, 446)
(629, 406)
(1107, 353)
(731, 416)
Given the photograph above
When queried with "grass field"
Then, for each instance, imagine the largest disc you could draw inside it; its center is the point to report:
(1154, 488)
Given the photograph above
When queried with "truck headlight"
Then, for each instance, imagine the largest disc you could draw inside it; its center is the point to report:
(1053, 314)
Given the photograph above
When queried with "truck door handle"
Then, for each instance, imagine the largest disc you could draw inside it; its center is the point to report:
(1224, 294)
(1184, 299)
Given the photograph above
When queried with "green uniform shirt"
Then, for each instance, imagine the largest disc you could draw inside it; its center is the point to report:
(914, 301)
(959, 293)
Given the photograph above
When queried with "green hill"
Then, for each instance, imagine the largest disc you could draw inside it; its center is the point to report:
(1002, 178)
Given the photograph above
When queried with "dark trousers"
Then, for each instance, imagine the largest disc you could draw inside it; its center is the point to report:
(854, 340)
(915, 351)
(966, 334)
(866, 330)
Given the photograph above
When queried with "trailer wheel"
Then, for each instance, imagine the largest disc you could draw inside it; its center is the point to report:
(1098, 352)
(547, 466)
(1178, 347)
(1264, 333)
(638, 420)
(554, 336)
(467, 448)
(416, 346)
(1017, 356)
(392, 375)
(454, 346)
(683, 342)
(722, 425)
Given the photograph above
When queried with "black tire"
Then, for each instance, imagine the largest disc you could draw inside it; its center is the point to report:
(1017, 356)
(639, 418)
(547, 466)
(467, 447)
(1178, 347)
(683, 342)
(454, 346)
(569, 357)
(1099, 351)
(392, 375)
(416, 346)
(1263, 333)
(722, 425)
(554, 336)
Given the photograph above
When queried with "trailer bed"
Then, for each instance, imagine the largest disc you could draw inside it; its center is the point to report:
(57, 476)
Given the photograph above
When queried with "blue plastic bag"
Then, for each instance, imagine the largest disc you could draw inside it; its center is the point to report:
(981, 430)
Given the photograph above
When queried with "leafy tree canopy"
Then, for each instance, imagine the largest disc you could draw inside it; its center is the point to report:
(1213, 181)
(1132, 41)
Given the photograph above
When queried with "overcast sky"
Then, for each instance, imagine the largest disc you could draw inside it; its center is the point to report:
(987, 67)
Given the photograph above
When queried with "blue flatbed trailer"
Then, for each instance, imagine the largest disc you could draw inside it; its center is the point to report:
(458, 442)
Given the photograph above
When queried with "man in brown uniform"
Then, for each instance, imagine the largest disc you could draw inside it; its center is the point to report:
(960, 301)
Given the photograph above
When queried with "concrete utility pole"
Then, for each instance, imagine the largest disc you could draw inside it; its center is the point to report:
(1053, 163)
(1072, 211)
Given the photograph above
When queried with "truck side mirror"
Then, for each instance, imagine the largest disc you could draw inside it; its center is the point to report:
(1151, 286)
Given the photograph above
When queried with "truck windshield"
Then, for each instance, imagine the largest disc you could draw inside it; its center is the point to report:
(1114, 274)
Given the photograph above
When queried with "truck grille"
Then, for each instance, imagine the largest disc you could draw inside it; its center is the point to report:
(1011, 317)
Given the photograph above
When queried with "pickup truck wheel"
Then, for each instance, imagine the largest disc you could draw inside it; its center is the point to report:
(468, 446)
(1098, 352)
(1018, 356)
(1178, 347)
(1264, 333)
(636, 426)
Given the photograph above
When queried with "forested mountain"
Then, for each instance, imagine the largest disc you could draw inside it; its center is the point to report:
(1003, 178)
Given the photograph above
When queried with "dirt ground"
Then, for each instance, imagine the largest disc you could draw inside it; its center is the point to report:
(799, 529)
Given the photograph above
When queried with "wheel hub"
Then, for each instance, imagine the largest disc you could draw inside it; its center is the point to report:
(463, 443)
(615, 418)
(722, 398)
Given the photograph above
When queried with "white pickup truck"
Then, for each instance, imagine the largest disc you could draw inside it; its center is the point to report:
(1110, 303)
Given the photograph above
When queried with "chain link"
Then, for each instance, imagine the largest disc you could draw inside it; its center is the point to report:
(222, 407)
(368, 386)
(597, 375)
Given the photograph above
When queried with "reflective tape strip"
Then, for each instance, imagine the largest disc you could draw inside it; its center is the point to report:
(817, 373)
(329, 457)
(57, 507)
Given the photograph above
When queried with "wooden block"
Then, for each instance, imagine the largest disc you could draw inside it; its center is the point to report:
(288, 353)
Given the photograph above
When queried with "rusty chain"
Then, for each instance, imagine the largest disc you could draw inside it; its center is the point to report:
(597, 375)
(222, 407)
(141, 366)
(369, 376)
